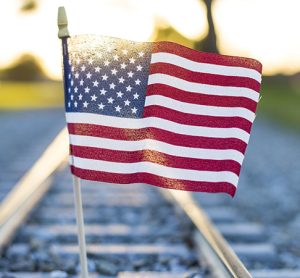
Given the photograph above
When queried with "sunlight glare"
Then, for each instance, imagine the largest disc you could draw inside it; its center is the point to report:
(39, 35)
(262, 29)
(36, 32)
(187, 17)
(265, 30)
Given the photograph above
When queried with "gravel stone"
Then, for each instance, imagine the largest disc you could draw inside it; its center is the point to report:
(58, 274)
(6, 275)
(21, 266)
(18, 251)
(195, 275)
(106, 268)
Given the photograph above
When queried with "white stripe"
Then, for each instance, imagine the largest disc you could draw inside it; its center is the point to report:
(197, 109)
(155, 169)
(174, 59)
(194, 87)
(89, 118)
(153, 145)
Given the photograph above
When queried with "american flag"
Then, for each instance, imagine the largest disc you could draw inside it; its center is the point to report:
(158, 113)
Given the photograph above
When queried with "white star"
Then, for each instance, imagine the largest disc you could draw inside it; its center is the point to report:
(72, 82)
(141, 54)
(131, 60)
(90, 61)
(137, 82)
(114, 71)
(101, 106)
(127, 102)
(104, 77)
(69, 90)
(78, 61)
(125, 51)
(97, 69)
(81, 82)
(76, 75)
(112, 86)
(120, 94)
(75, 103)
(128, 88)
(118, 108)
(72, 68)
(106, 63)
(130, 74)
(123, 66)
(136, 96)
(95, 83)
(110, 100)
(121, 79)
(69, 104)
(133, 110)
(85, 104)
(83, 68)
(80, 97)
(72, 97)
(102, 91)
(116, 57)
(87, 89)
(139, 68)
(88, 75)
(75, 89)
(94, 97)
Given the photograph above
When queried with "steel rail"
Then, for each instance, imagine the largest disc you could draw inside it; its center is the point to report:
(209, 242)
(31, 188)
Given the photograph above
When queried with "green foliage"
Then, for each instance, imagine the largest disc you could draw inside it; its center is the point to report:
(28, 6)
(280, 100)
(170, 34)
(26, 68)
(30, 95)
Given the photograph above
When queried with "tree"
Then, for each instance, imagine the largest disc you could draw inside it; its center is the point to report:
(26, 68)
(209, 43)
(28, 6)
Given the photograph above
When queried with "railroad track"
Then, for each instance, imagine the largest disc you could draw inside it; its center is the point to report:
(131, 230)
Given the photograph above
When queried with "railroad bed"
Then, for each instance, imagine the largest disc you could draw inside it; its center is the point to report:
(24, 137)
(129, 229)
(123, 221)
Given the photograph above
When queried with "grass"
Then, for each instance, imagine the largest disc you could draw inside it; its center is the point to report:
(30, 95)
(280, 101)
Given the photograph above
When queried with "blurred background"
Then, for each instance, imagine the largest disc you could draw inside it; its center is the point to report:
(30, 54)
(31, 94)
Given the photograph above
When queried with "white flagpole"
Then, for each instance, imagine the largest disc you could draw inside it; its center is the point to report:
(63, 33)
(80, 226)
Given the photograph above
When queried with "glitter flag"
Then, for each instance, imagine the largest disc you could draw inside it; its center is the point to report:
(158, 113)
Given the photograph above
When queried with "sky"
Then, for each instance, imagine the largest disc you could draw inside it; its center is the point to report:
(266, 30)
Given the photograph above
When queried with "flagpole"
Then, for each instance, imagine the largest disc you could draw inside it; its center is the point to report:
(80, 225)
(63, 33)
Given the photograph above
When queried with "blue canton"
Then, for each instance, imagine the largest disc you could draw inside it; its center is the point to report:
(106, 76)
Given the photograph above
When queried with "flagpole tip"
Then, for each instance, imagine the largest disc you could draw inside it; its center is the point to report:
(62, 23)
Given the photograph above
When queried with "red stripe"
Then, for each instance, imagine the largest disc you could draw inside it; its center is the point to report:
(202, 57)
(156, 157)
(157, 134)
(202, 99)
(197, 120)
(154, 180)
(205, 78)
